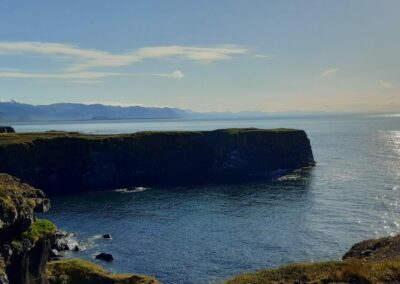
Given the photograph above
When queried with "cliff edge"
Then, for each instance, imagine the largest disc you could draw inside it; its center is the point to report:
(60, 162)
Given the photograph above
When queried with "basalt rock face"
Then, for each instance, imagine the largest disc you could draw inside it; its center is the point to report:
(62, 163)
(6, 129)
(24, 241)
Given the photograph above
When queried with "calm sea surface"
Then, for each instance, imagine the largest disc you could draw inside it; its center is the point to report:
(206, 234)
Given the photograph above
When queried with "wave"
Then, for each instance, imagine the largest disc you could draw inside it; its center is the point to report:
(132, 189)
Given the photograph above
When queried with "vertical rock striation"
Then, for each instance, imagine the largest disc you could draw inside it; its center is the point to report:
(24, 241)
(62, 163)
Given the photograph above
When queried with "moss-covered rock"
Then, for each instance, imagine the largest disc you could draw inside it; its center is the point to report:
(24, 241)
(60, 162)
(18, 203)
(387, 248)
(76, 271)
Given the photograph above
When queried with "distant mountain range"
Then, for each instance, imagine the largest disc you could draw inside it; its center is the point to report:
(14, 111)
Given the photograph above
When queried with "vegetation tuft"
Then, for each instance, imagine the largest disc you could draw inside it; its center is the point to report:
(76, 271)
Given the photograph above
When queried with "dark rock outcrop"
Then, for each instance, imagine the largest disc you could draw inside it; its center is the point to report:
(24, 241)
(62, 163)
(107, 236)
(387, 248)
(105, 256)
(6, 129)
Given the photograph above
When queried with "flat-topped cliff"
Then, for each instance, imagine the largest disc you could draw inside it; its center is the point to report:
(60, 162)
(6, 129)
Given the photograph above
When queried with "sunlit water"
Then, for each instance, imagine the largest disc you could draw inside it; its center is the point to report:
(206, 234)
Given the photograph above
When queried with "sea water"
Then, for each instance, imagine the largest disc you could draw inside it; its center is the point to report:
(205, 234)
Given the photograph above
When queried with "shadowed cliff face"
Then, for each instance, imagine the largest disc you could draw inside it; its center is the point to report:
(62, 163)
(6, 129)
(24, 241)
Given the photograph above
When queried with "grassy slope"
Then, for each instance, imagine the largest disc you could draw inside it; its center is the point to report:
(28, 137)
(76, 271)
(352, 271)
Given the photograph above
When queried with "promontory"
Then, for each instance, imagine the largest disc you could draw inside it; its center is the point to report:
(68, 162)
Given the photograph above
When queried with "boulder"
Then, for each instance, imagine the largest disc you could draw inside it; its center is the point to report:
(105, 256)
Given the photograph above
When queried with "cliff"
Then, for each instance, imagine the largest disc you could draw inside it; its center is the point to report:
(60, 162)
(25, 244)
(6, 129)
(369, 261)
(24, 241)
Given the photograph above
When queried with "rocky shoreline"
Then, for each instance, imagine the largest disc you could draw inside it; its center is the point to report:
(26, 244)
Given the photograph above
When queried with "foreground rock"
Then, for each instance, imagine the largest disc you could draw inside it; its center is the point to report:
(24, 241)
(27, 242)
(370, 261)
(105, 256)
(375, 249)
(99, 162)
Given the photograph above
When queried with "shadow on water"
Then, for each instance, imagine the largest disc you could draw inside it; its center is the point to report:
(192, 234)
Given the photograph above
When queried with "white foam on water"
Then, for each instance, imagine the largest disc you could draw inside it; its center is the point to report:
(134, 190)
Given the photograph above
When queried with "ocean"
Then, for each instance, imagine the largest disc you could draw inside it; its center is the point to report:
(205, 234)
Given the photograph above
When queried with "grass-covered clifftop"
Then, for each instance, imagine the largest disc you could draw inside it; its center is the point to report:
(60, 162)
(356, 272)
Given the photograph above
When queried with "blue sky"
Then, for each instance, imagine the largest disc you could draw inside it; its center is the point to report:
(203, 55)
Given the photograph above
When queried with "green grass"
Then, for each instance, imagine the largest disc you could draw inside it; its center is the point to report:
(16, 198)
(77, 271)
(326, 272)
(28, 137)
(38, 230)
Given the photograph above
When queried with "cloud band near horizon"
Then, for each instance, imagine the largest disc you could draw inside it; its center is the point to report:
(82, 61)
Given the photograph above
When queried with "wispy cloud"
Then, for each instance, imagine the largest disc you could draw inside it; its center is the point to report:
(85, 77)
(385, 84)
(73, 76)
(177, 74)
(82, 61)
(329, 72)
(265, 56)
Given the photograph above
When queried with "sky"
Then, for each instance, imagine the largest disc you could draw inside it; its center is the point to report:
(218, 55)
